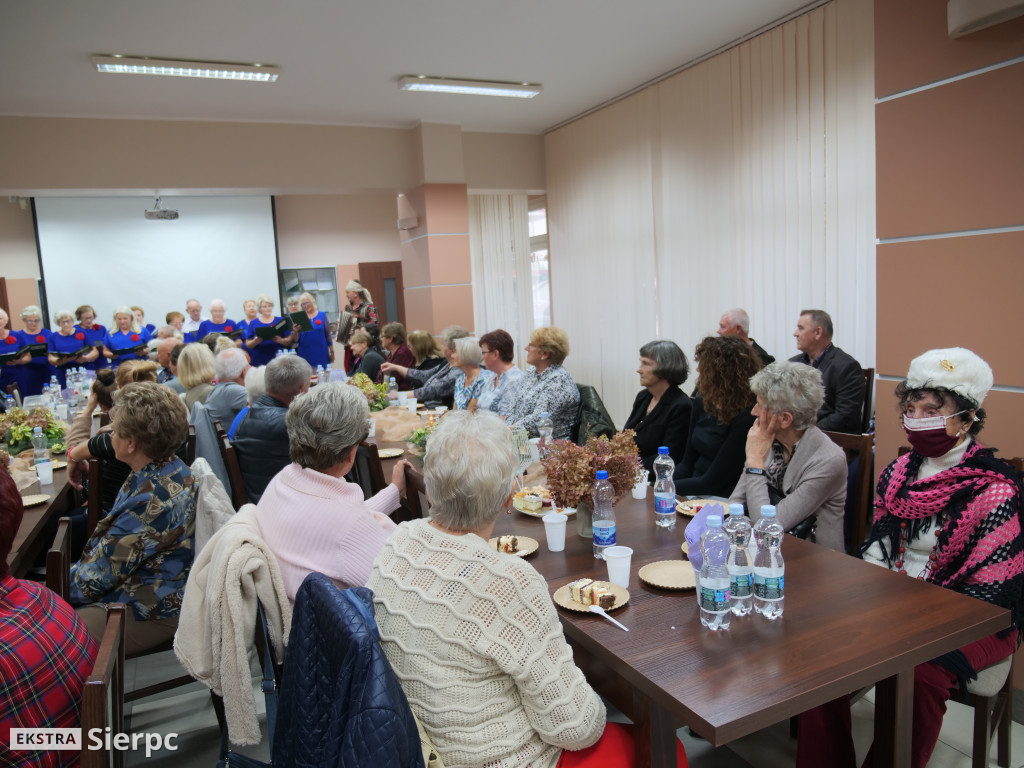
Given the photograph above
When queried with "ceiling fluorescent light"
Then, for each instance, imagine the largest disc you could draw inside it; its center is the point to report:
(472, 87)
(217, 70)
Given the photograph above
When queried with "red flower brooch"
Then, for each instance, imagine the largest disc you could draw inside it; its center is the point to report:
(40, 339)
(10, 339)
(318, 321)
(228, 329)
(135, 337)
(80, 336)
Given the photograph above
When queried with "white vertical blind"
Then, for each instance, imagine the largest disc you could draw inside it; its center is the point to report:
(747, 180)
(499, 244)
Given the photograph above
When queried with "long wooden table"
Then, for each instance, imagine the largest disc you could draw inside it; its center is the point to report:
(28, 542)
(847, 625)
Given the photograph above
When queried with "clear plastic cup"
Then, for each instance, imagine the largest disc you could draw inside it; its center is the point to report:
(402, 397)
(373, 428)
(619, 560)
(554, 529)
(640, 488)
(411, 404)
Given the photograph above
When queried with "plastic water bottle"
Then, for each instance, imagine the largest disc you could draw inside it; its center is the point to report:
(713, 595)
(392, 388)
(769, 568)
(604, 514)
(9, 402)
(741, 561)
(545, 428)
(664, 489)
(40, 451)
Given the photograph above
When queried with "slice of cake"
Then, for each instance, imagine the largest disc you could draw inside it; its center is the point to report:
(590, 592)
(509, 544)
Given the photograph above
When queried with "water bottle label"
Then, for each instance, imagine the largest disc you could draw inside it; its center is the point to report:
(604, 536)
(665, 505)
(769, 587)
(741, 584)
(715, 600)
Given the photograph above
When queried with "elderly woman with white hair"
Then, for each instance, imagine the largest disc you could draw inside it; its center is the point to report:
(470, 379)
(14, 355)
(36, 339)
(789, 461)
(127, 340)
(316, 346)
(310, 516)
(359, 312)
(471, 632)
(218, 322)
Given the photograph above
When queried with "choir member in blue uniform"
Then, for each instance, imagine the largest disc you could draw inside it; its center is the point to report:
(124, 341)
(316, 346)
(93, 333)
(37, 371)
(64, 341)
(262, 351)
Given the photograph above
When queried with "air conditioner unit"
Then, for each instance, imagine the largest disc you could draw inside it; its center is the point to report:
(964, 17)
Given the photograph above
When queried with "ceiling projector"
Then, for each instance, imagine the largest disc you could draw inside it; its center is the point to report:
(159, 213)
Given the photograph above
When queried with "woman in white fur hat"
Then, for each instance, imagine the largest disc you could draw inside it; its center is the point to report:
(948, 512)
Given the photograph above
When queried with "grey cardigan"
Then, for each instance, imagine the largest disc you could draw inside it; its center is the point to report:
(815, 481)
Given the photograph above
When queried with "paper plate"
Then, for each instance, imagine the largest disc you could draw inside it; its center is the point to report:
(35, 499)
(389, 453)
(686, 549)
(527, 546)
(59, 464)
(669, 574)
(568, 511)
(563, 597)
(690, 507)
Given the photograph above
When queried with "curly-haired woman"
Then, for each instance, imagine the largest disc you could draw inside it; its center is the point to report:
(721, 418)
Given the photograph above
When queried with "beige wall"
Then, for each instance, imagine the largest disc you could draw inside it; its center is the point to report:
(18, 255)
(333, 230)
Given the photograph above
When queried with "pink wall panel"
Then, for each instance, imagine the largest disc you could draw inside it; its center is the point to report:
(913, 48)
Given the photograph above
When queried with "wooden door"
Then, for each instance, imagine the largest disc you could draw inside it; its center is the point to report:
(383, 279)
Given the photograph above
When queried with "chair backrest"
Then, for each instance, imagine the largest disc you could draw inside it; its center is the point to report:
(190, 445)
(221, 434)
(94, 502)
(103, 693)
(869, 391)
(415, 504)
(104, 419)
(594, 419)
(15, 391)
(367, 472)
(58, 560)
(239, 496)
(858, 447)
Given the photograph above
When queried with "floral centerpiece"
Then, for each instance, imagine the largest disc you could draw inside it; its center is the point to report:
(418, 438)
(17, 425)
(376, 394)
(570, 468)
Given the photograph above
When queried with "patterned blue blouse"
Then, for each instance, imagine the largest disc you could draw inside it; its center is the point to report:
(464, 394)
(141, 553)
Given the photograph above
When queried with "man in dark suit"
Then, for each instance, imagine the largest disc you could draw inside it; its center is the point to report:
(736, 322)
(842, 376)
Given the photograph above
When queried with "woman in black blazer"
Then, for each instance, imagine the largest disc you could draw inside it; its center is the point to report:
(661, 412)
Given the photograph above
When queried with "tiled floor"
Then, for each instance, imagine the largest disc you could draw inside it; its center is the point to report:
(189, 713)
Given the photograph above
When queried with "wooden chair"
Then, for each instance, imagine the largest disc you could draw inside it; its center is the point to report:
(858, 447)
(104, 417)
(367, 472)
(190, 445)
(239, 496)
(14, 391)
(991, 695)
(415, 505)
(58, 560)
(869, 391)
(103, 693)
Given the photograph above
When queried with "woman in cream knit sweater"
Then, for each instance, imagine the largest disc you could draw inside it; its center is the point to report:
(471, 633)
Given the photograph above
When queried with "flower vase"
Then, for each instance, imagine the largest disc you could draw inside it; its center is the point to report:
(584, 519)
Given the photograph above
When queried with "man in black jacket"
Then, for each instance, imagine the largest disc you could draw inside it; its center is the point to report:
(736, 322)
(261, 440)
(842, 376)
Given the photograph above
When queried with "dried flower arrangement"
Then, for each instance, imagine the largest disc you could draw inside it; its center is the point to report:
(570, 468)
(16, 426)
(376, 394)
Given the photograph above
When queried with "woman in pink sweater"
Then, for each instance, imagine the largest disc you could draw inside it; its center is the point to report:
(310, 516)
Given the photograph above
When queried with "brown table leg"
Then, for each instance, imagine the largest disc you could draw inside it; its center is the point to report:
(654, 734)
(894, 714)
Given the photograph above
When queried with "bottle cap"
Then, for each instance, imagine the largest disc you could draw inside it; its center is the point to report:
(663, 450)
(37, 430)
(735, 510)
(545, 415)
(602, 474)
(714, 521)
(768, 511)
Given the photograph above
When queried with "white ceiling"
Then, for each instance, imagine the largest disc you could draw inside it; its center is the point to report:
(340, 61)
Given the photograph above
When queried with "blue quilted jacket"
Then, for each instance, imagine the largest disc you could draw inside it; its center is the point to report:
(340, 702)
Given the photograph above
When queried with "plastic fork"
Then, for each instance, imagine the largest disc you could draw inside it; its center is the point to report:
(601, 612)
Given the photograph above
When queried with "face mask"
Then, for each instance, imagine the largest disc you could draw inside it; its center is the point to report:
(928, 436)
